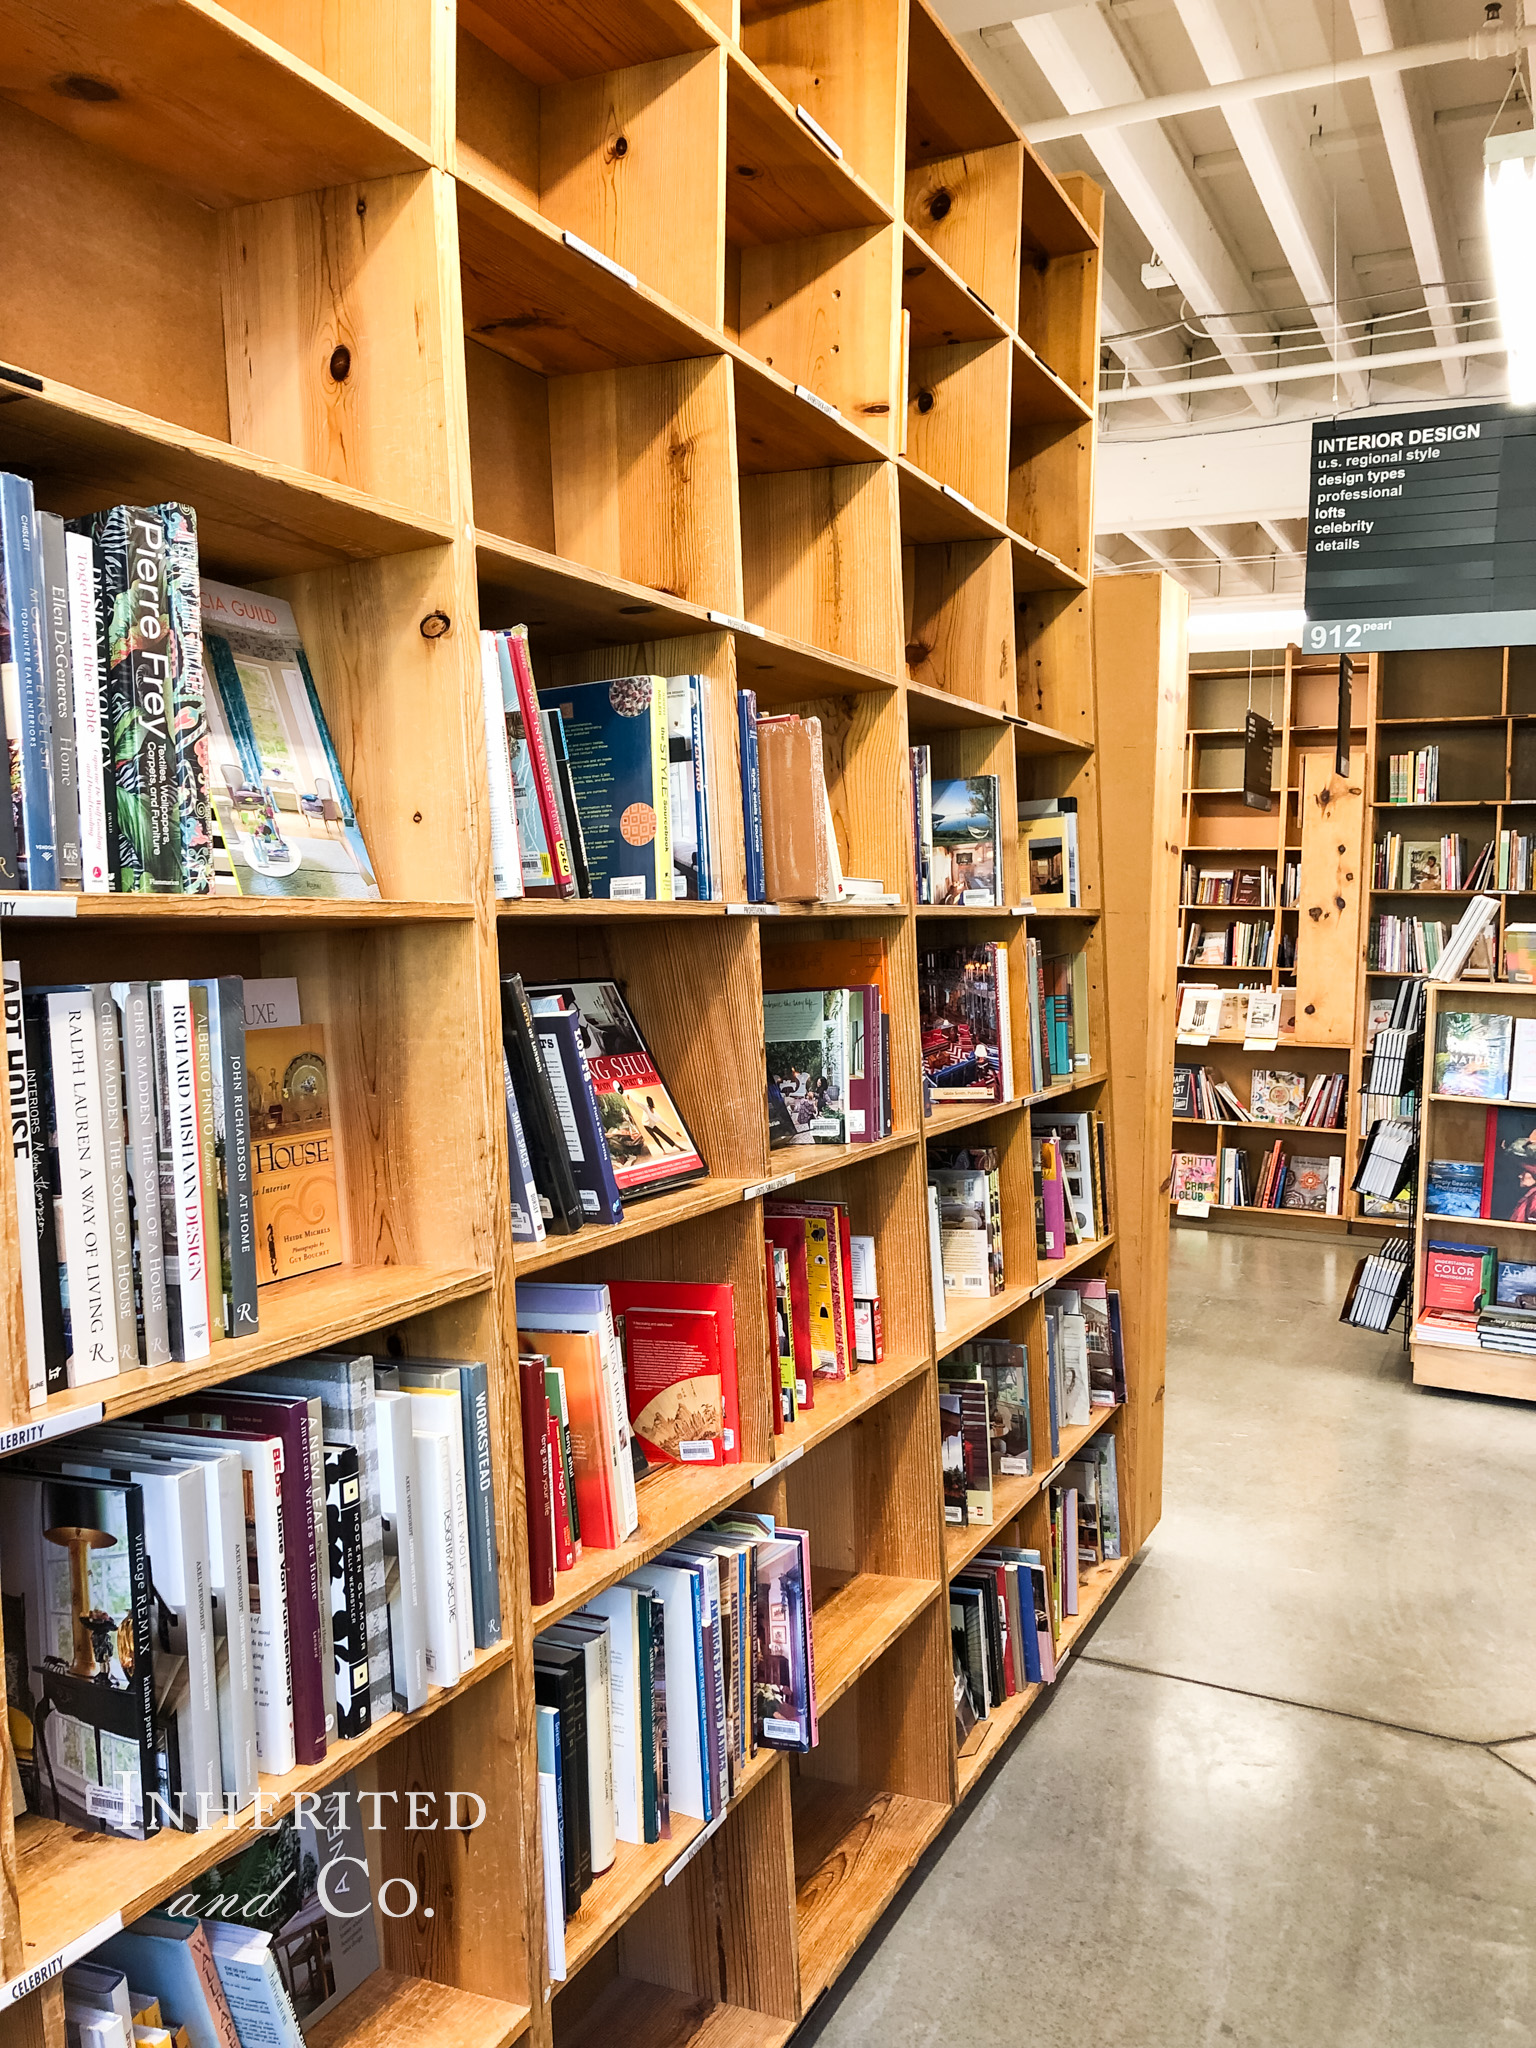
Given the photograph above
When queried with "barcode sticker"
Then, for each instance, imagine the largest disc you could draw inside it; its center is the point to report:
(596, 256)
(626, 888)
(821, 404)
(698, 1450)
(1199, 1209)
(780, 1730)
(41, 903)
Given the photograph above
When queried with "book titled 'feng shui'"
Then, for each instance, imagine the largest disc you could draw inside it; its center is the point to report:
(293, 1153)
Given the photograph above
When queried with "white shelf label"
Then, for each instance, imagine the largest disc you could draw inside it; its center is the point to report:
(772, 1471)
(39, 903)
(23, 1435)
(766, 1187)
(959, 497)
(1192, 1038)
(751, 910)
(734, 625)
(693, 1849)
(1199, 1209)
(1023, 909)
(1261, 1044)
(17, 1988)
(823, 405)
(603, 262)
(810, 121)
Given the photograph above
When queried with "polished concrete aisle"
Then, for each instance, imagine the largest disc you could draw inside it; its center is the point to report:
(1286, 1797)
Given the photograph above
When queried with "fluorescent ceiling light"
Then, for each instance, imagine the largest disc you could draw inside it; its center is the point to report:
(1509, 201)
(1218, 628)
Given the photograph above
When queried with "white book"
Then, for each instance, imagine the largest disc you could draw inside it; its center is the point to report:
(619, 1607)
(679, 1593)
(86, 1249)
(445, 1417)
(26, 1185)
(99, 1988)
(1522, 1064)
(1072, 1350)
(554, 1889)
(399, 1501)
(230, 1595)
(115, 1148)
(253, 1984)
(685, 829)
(90, 757)
(1335, 1184)
(186, 1243)
(506, 851)
(143, 1158)
(935, 1258)
(93, 2029)
(1004, 1023)
(602, 1815)
(439, 1548)
(261, 1459)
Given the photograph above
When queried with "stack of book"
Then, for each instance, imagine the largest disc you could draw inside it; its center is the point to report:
(1084, 1530)
(1251, 888)
(822, 1282)
(1414, 778)
(590, 1122)
(1002, 1636)
(966, 1022)
(1520, 952)
(967, 1182)
(1048, 856)
(163, 734)
(1290, 887)
(653, 1699)
(1200, 1095)
(1406, 945)
(1437, 866)
(1377, 1286)
(1514, 869)
(1245, 943)
(956, 837)
(1460, 1280)
(1071, 1178)
(1057, 986)
(1500, 1328)
(1281, 1098)
(283, 1561)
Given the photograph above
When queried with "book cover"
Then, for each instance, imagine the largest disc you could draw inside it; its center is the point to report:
(182, 1222)
(552, 1180)
(1453, 1187)
(552, 725)
(960, 1023)
(1458, 1277)
(1277, 1097)
(142, 1131)
(400, 1509)
(616, 734)
(296, 1199)
(965, 866)
(1516, 1285)
(12, 839)
(751, 795)
(1306, 1185)
(278, 798)
(1472, 1051)
(648, 1142)
(547, 869)
(41, 1336)
(186, 696)
(1042, 860)
(675, 1373)
(85, 1249)
(1509, 1166)
(806, 1046)
(133, 543)
(965, 1429)
(348, 1597)
(781, 1653)
(559, 1032)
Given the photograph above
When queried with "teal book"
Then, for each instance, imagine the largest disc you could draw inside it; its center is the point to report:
(616, 736)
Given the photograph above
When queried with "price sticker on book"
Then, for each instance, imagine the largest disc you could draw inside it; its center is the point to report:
(1197, 1209)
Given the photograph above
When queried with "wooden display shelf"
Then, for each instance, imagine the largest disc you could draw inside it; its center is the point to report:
(1011, 1492)
(309, 1313)
(655, 1212)
(1053, 1271)
(798, 188)
(1030, 738)
(956, 1116)
(854, 1850)
(1469, 1369)
(1093, 1589)
(987, 1737)
(387, 2010)
(1038, 394)
(930, 709)
(838, 1402)
(262, 913)
(638, 1869)
(67, 1882)
(943, 307)
(966, 1318)
(856, 1620)
(787, 1163)
(645, 2015)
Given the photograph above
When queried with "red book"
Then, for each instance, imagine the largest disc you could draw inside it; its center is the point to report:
(536, 1480)
(680, 1369)
(565, 1543)
(594, 1453)
(538, 755)
(789, 1232)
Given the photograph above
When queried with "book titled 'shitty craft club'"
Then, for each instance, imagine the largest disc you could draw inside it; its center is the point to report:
(293, 1153)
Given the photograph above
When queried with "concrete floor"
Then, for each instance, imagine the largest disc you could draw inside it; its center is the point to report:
(1286, 1798)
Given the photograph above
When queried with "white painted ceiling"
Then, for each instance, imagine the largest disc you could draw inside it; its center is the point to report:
(1330, 231)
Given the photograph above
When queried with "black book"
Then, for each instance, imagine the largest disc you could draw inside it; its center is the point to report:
(992, 1628)
(565, 789)
(232, 1127)
(348, 1594)
(59, 678)
(552, 1174)
(560, 1681)
(968, 1631)
(103, 611)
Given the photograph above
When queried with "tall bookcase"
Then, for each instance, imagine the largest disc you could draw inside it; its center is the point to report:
(753, 343)
(1316, 825)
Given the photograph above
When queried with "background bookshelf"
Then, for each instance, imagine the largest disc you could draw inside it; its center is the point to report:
(563, 312)
(1309, 848)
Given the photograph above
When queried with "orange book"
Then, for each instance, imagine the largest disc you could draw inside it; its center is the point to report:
(593, 1453)
(797, 866)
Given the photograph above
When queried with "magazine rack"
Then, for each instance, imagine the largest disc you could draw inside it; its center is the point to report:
(749, 342)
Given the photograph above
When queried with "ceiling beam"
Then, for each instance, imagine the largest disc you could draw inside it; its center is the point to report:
(1290, 373)
(1085, 66)
(1293, 198)
(1375, 33)
(1284, 545)
(1139, 357)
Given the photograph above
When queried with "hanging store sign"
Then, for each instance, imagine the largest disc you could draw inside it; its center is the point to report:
(1258, 762)
(1422, 531)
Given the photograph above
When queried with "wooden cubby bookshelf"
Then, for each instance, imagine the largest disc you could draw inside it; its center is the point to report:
(565, 312)
(1317, 828)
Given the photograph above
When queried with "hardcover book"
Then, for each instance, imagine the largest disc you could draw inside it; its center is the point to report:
(680, 1368)
(960, 992)
(1516, 1284)
(278, 796)
(965, 867)
(1472, 1054)
(616, 734)
(293, 1155)
(1453, 1187)
(1306, 1185)
(1509, 1166)
(1277, 1097)
(805, 1038)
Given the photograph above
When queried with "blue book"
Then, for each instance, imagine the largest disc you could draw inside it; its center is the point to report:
(1454, 1187)
(23, 602)
(751, 796)
(1517, 1284)
(558, 1031)
(616, 738)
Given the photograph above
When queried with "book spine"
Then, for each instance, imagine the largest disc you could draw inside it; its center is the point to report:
(698, 713)
(570, 809)
(26, 1191)
(347, 1594)
(544, 783)
(229, 993)
(80, 569)
(59, 680)
(186, 706)
(536, 1102)
(83, 1174)
(537, 1480)
(150, 669)
(506, 855)
(18, 536)
(314, 1652)
(661, 783)
(108, 695)
(115, 1151)
(561, 1495)
(108, 533)
(484, 1557)
(215, 1208)
(45, 1186)
(11, 876)
(186, 1273)
(751, 795)
(527, 1218)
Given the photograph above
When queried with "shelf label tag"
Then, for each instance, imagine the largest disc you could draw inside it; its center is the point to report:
(810, 121)
(766, 1187)
(693, 1848)
(1261, 1044)
(734, 625)
(959, 497)
(1200, 1209)
(603, 262)
(751, 910)
(772, 1471)
(17, 1988)
(1023, 909)
(23, 1435)
(42, 903)
(1192, 1038)
(821, 404)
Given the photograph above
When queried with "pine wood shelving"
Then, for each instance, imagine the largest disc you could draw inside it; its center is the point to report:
(395, 383)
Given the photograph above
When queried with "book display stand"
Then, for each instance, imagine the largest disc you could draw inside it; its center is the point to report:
(749, 341)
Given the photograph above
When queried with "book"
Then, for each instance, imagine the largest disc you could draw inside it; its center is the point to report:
(965, 868)
(806, 1045)
(965, 1435)
(183, 1224)
(751, 795)
(680, 1368)
(1453, 1187)
(467, 1385)
(1472, 1053)
(44, 1338)
(1307, 1185)
(962, 1002)
(506, 847)
(26, 697)
(142, 1158)
(232, 1157)
(296, 1201)
(1516, 1284)
(616, 733)
(552, 726)
(1509, 1166)
(687, 783)
(968, 1223)
(586, 1311)
(649, 1144)
(402, 1538)
(799, 851)
(559, 1033)
(547, 869)
(1457, 1277)
(85, 1244)
(538, 1116)
(1276, 1097)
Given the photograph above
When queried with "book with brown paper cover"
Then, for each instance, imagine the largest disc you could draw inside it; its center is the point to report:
(293, 1153)
(796, 862)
